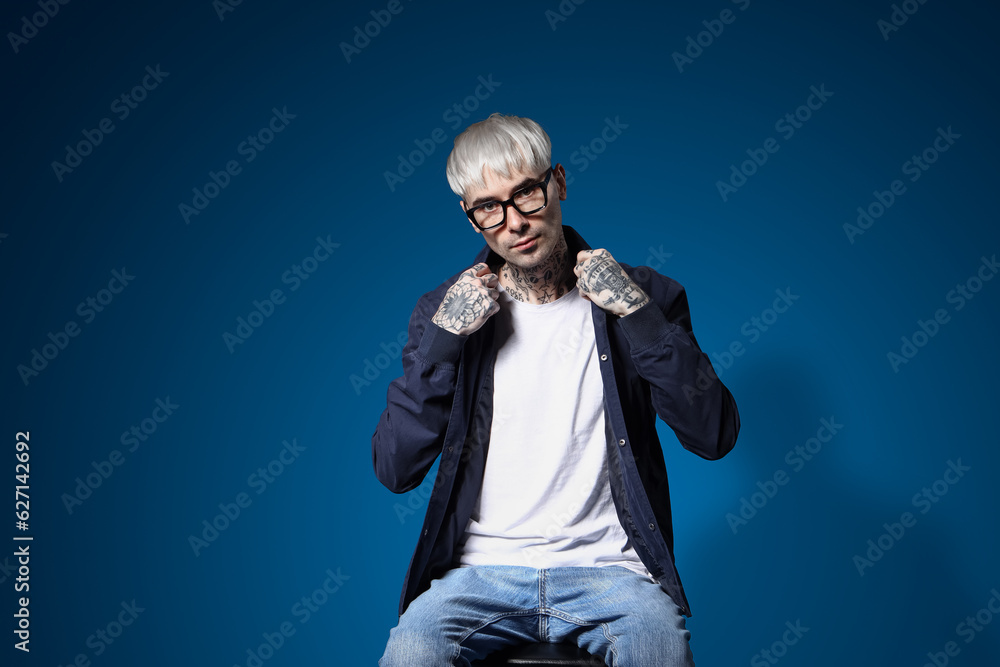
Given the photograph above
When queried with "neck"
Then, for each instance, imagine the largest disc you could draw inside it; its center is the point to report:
(544, 283)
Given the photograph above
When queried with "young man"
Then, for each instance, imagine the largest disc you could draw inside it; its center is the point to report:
(537, 375)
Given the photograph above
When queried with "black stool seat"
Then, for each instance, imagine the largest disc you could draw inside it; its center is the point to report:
(561, 655)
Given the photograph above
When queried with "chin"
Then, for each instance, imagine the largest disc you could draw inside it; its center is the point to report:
(539, 255)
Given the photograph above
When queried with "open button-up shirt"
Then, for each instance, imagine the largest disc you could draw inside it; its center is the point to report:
(651, 366)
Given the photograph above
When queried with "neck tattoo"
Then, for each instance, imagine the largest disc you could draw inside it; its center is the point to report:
(542, 284)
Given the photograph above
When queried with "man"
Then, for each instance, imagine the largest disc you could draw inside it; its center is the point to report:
(537, 375)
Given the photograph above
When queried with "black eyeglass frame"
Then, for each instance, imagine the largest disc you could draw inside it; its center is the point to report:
(470, 212)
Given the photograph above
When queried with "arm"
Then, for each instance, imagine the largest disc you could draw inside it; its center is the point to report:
(411, 430)
(686, 393)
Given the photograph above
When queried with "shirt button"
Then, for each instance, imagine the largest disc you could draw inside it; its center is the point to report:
(425, 532)
(604, 357)
(451, 448)
(621, 442)
(651, 527)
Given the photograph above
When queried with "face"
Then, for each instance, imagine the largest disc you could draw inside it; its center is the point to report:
(523, 241)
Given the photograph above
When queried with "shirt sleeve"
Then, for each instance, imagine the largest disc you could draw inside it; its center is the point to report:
(411, 429)
(686, 392)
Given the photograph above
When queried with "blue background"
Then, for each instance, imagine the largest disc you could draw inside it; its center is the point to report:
(650, 197)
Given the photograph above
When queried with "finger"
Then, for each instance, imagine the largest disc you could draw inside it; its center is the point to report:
(471, 272)
(481, 269)
(491, 280)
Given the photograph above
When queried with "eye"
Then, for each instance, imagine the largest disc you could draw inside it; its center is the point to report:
(489, 207)
(524, 193)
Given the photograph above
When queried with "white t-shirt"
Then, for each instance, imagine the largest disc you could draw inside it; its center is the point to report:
(546, 500)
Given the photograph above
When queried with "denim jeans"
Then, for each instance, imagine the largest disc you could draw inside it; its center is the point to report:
(624, 617)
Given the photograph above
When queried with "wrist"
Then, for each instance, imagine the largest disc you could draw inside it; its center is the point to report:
(638, 300)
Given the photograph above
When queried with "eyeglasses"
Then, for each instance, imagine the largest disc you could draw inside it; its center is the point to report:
(529, 199)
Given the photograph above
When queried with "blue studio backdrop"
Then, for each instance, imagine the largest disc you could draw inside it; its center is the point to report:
(219, 215)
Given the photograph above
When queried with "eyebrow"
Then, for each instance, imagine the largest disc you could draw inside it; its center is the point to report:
(485, 198)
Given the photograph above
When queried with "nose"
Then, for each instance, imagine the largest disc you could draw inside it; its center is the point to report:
(515, 220)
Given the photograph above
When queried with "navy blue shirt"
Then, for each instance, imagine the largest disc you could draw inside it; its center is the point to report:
(651, 366)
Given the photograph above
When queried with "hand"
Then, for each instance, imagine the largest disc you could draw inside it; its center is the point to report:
(603, 281)
(469, 302)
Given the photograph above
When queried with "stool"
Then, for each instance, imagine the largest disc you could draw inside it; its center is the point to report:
(561, 655)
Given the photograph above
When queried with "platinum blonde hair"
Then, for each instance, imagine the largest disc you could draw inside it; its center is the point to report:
(501, 143)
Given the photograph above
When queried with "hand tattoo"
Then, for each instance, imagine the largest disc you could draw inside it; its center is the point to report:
(602, 275)
(461, 307)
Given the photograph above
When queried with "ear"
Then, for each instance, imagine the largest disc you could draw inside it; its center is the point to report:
(560, 175)
(461, 202)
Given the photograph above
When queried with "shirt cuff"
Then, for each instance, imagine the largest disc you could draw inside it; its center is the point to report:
(645, 326)
(438, 346)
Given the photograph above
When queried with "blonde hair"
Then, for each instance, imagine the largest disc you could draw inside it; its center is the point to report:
(501, 143)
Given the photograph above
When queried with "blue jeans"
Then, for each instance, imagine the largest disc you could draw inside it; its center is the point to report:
(625, 618)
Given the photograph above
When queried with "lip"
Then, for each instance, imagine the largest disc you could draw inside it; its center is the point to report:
(525, 244)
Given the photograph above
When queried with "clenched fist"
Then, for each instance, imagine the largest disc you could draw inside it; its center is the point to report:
(469, 302)
(603, 281)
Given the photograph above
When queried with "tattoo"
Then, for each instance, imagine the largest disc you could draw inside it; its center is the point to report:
(547, 282)
(605, 275)
(461, 307)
